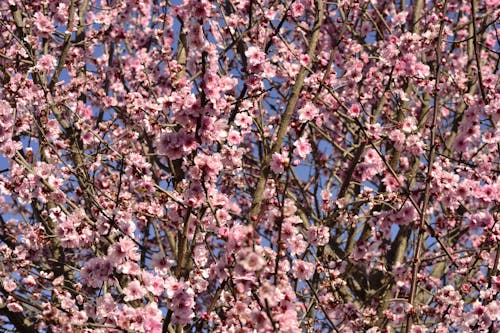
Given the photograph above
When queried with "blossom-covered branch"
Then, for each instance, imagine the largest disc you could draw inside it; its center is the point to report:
(249, 166)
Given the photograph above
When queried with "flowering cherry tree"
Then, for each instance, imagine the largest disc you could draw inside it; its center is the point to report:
(249, 166)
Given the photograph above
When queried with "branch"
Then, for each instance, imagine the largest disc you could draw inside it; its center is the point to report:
(420, 237)
(287, 116)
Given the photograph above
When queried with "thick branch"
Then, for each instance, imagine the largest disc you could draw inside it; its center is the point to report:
(286, 117)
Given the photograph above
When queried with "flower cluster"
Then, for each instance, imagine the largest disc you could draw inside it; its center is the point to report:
(249, 166)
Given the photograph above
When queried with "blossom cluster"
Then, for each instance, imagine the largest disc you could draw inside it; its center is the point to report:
(249, 166)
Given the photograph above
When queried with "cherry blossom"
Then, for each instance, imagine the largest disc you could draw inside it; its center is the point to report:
(249, 166)
(279, 162)
(133, 291)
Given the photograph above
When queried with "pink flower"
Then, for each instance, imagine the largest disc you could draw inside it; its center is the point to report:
(297, 9)
(182, 305)
(302, 270)
(129, 267)
(414, 144)
(61, 16)
(279, 162)
(398, 138)
(9, 285)
(308, 112)
(152, 325)
(176, 144)
(302, 147)
(124, 249)
(252, 262)
(418, 329)
(134, 291)
(375, 130)
(234, 138)
(297, 244)
(96, 271)
(195, 195)
(46, 63)
(160, 262)
(243, 120)
(288, 321)
(399, 18)
(255, 57)
(153, 283)
(171, 286)
(406, 214)
(355, 110)
(409, 124)
(43, 25)
(493, 310)
(260, 321)
(461, 143)
(421, 70)
(169, 145)
(29, 281)
(391, 184)
(270, 293)
(318, 236)
(15, 307)
(305, 60)
(481, 220)
(495, 280)
(372, 157)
